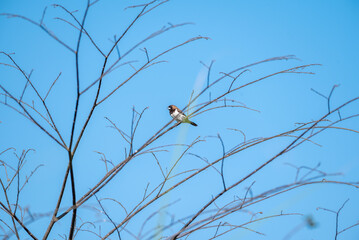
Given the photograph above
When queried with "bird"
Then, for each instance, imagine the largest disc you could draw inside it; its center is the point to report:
(179, 116)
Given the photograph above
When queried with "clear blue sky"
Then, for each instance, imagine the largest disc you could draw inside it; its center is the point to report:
(241, 32)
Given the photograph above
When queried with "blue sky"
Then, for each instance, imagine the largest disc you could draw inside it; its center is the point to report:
(241, 32)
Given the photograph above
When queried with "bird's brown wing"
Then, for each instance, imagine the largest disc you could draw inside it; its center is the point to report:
(179, 110)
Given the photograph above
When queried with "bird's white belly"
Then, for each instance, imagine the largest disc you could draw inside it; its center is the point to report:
(177, 116)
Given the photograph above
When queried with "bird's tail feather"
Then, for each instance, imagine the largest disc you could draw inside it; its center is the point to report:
(192, 123)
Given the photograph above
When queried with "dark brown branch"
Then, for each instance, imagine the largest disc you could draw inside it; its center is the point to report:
(71, 155)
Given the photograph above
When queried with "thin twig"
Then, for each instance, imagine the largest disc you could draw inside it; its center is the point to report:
(109, 218)
(222, 162)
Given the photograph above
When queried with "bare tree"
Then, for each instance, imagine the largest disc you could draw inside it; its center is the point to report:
(91, 208)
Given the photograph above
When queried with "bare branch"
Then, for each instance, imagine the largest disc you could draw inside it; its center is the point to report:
(40, 25)
(259, 168)
(109, 218)
(53, 83)
(81, 27)
(336, 217)
(222, 162)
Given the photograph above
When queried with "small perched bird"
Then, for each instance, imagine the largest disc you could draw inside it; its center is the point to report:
(179, 116)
